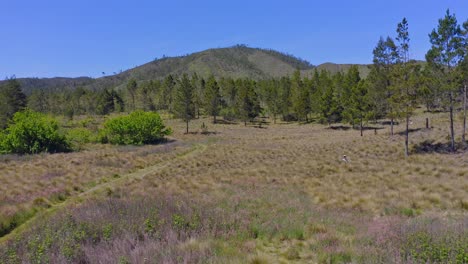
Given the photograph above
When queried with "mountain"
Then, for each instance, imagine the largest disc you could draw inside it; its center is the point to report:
(238, 61)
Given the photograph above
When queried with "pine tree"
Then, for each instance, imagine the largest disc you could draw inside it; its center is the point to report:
(404, 88)
(385, 57)
(301, 97)
(350, 81)
(167, 91)
(12, 100)
(37, 101)
(247, 101)
(359, 103)
(184, 106)
(132, 87)
(212, 97)
(445, 54)
(329, 105)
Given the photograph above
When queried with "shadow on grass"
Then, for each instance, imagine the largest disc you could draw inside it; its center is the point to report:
(411, 130)
(226, 122)
(428, 146)
(202, 133)
(345, 128)
(388, 123)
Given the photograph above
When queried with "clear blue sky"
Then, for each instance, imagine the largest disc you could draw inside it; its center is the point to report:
(84, 38)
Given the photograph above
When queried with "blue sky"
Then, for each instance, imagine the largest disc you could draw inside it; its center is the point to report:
(85, 38)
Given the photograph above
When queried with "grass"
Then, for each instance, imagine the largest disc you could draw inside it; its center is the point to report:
(280, 194)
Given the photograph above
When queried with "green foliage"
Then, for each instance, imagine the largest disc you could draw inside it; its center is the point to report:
(212, 98)
(31, 132)
(247, 100)
(135, 129)
(12, 100)
(184, 100)
(80, 136)
(107, 232)
(446, 53)
(421, 247)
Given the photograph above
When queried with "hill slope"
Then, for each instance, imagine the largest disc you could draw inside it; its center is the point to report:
(237, 62)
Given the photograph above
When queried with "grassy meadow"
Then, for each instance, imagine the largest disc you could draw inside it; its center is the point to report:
(270, 193)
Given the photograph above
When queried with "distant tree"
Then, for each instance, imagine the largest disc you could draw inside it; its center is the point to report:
(247, 100)
(167, 91)
(212, 97)
(37, 101)
(199, 87)
(444, 56)
(285, 96)
(132, 87)
(350, 81)
(273, 98)
(329, 108)
(301, 99)
(105, 102)
(184, 100)
(359, 102)
(429, 91)
(12, 100)
(379, 78)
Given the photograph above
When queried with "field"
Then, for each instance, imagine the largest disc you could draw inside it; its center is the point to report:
(275, 193)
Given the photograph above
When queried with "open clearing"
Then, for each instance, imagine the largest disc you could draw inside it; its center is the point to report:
(279, 193)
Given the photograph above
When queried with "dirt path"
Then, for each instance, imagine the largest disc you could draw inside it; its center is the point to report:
(140, 174)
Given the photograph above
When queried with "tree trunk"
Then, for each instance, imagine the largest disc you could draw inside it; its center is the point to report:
(452, 132)
(427, 122)
(407, 134)
(464, 118)
(361, 125)
(214, 119)
(391, 126)
(187, 126)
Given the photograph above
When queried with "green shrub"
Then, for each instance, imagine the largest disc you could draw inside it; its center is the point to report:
(80, 136)
(31, 132)
(135, 129)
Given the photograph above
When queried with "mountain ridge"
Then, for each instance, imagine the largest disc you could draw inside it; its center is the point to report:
(238, 61)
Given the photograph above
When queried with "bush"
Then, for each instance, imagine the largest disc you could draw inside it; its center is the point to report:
(135, 129)
(80, 136)
(31, 132)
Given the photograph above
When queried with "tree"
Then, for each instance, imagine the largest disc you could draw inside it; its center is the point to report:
(105, 102)
(273, 98)
(350, 81)
(444, 55)
(167, 92)
(247, 101)
(212, 98)
(379, 78)
(12, 100)
(329, 107)
(300, 97)
(132, 87)
(359, 103)
(199, 86)
(405, 83)
(184, 100)
(464, 75)
(37, 101)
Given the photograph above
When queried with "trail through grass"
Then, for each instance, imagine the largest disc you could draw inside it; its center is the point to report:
(113, 182)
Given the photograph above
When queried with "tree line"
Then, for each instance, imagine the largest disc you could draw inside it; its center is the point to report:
(395, 86)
